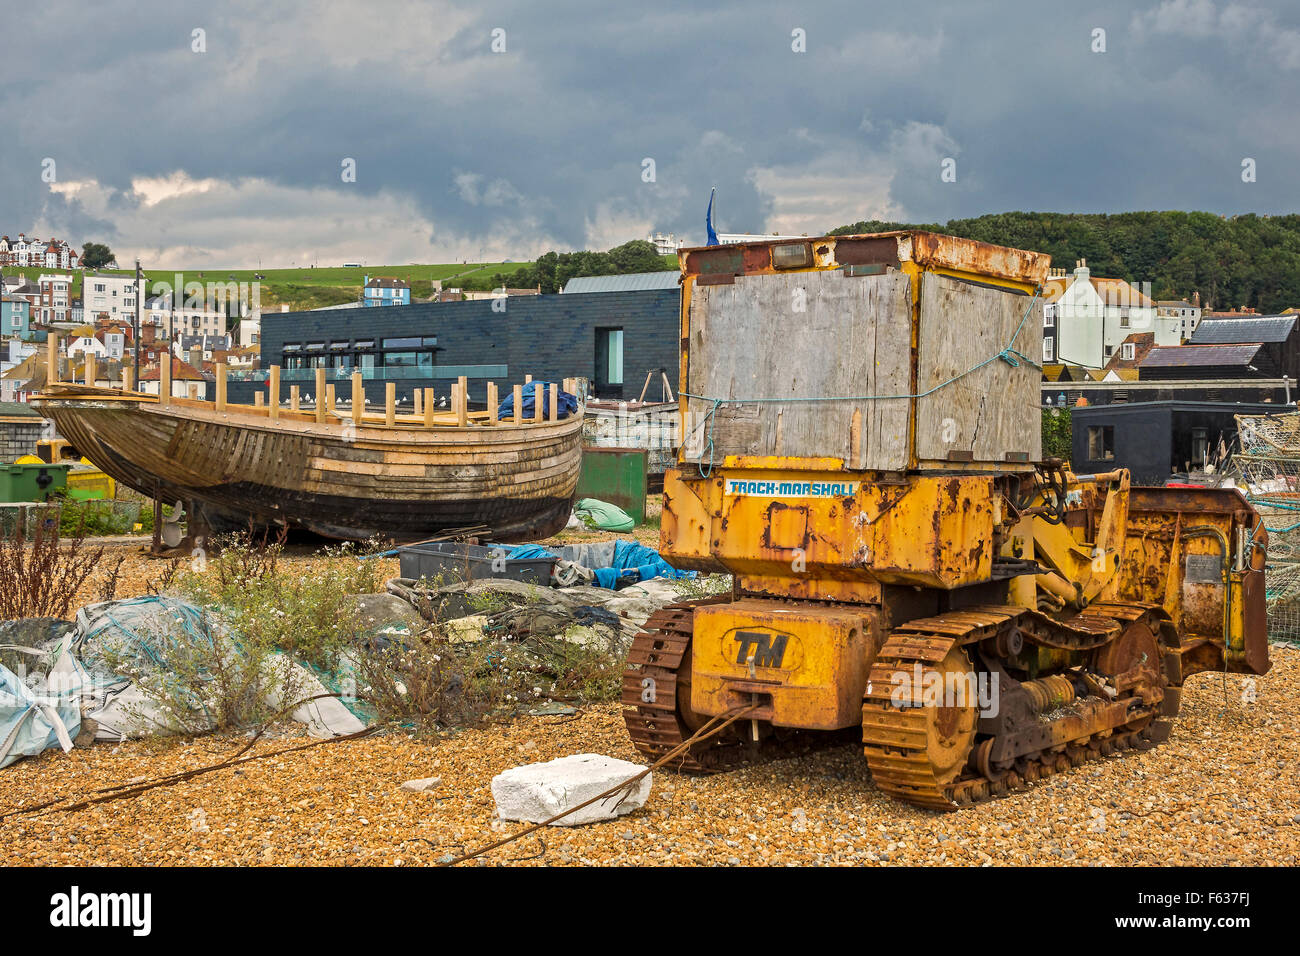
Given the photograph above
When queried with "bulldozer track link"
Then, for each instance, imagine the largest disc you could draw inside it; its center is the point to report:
(649, 697)
(895, 737)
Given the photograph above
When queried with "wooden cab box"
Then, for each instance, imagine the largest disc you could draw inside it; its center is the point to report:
(890, 352)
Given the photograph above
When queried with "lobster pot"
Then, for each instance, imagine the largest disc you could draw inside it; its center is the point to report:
(887, 366)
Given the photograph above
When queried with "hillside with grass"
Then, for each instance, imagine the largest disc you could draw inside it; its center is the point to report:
(308, 288)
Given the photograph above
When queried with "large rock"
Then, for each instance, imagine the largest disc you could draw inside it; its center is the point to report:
(537, 792)
(377, 613)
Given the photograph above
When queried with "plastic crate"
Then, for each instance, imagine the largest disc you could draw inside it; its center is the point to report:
(453, 561)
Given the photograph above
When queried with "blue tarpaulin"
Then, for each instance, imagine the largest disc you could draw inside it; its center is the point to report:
(632, 562)
(568, 403)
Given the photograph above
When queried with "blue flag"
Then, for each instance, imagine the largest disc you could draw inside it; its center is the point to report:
(708, 222)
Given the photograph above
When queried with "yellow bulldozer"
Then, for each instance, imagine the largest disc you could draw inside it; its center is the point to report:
(861, 451)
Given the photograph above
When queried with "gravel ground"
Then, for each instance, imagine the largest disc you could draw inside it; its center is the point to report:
(1224, 790)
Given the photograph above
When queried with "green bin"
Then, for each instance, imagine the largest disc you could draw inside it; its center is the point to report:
(32, 482)
(615, 475)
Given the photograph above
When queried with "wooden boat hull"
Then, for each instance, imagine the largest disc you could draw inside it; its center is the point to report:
(334, 479)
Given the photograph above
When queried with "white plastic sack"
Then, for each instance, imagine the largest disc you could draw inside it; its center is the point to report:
(35, 718)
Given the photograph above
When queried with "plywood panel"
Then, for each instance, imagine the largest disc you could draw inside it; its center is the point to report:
(803, 335)
(994, 411)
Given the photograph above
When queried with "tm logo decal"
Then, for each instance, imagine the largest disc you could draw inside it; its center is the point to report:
(768, 649)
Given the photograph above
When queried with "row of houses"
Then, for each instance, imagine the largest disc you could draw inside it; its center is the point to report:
(194, 359)
(31, 253)
(1100, 330)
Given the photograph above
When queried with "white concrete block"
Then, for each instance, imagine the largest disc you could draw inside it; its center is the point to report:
(536, 792)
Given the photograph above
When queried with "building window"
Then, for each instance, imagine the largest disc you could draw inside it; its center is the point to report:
(609, 357)
(1128, 351)
(1048, 349)
(1200, 446)
(1110, 350)
(1101, 442)
(1123, 318)
(1049, 317)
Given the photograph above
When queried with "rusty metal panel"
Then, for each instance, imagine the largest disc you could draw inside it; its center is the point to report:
(931, 532)
(938, 534)
(866, 251)
(1173, 556)
(930, 251)
(805, 665)
(934, 251)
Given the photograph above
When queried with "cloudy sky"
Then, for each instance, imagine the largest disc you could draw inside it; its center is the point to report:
(227, 147)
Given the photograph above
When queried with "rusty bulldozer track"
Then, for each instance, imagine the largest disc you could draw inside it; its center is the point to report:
(931, 756)
(651, 690)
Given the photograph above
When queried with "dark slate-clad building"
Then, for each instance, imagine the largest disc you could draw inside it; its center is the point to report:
(1183, 362)
(614, 339)
(1155, 440)
(1277, 336)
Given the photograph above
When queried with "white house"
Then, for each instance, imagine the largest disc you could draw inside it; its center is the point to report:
(1092, 317)
(108, 297)
(665, 245)
(87, 343)
(114, 339)
(187, 320)
(1187, 314)
(249, 331)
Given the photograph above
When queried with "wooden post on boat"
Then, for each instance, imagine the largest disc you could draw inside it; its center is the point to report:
(492, 402)
(273, 391)
(458, 404)
(428, 407)
(329, 402)
(555, 405)
(259, 400)
(462, 412)
(390, 403)
(221, 386)
(358, 399)
(519, 404)
(539, 402)
(417, 396)
(194, 392)
(52, 359)
(294, 401)
(528, 379)
(90, 368)
(126, 377)
(320, 395)
(164, 378)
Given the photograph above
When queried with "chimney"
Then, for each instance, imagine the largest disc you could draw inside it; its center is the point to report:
(1196, 299)
(196, 357)
(1081, 271)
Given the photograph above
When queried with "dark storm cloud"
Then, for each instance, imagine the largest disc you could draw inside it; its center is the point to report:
(545, 142)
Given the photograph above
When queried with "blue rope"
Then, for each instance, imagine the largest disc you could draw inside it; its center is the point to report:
(1010, 355)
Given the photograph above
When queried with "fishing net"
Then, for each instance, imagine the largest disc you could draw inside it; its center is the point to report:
(1268, 474)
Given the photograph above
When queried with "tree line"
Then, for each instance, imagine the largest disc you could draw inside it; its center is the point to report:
(1234, 261)
(552, 270)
